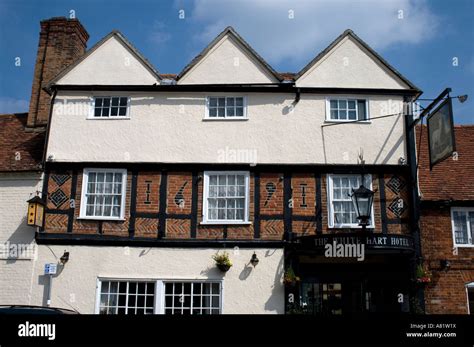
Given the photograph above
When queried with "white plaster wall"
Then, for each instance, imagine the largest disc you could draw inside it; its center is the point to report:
(169, 128)
(111, 63)
(348, 65)
(246, 289)
(226, 63)
(16, 274)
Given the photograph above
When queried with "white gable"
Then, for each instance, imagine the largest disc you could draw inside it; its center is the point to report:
(349, 65)
(111, 63)
(228, 62)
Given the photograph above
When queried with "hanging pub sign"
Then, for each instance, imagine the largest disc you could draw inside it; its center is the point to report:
(441, 143)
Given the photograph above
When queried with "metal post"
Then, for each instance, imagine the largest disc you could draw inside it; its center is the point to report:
(50, 286)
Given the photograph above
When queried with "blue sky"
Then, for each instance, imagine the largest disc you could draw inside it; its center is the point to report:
(422, 39)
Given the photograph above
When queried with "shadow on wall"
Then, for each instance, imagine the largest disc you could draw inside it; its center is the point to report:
(22, 237)
(378, 158)
(275, 302)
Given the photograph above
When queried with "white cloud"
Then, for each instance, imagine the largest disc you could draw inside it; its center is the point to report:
(267, 27)
(11, 105)
(158, 33)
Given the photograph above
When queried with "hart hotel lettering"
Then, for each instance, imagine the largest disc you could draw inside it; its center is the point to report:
(372, 241)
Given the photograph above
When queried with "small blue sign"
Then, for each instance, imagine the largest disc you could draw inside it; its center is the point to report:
(50, 269)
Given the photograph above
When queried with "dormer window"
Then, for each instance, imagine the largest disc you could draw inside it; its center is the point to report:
(347, 109)
(226, 107)
(111, 107)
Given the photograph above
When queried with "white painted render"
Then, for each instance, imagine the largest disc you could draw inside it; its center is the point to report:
(16, 272)
(245, 289)
(111, 63)
(170, 128)
(349, 65)
(227, 62)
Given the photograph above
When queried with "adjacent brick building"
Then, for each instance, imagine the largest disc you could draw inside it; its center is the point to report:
(447, 225)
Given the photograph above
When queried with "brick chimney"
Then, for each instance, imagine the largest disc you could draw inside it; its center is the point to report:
(62, 41)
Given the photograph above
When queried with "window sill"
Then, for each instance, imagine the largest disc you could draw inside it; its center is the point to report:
(332, 121)
(102, 219)
(108, 118)
(463, 246)
(231, 119)
(346, 226)
(225, 223)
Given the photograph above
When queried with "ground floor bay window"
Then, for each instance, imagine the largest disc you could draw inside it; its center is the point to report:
(118, 296)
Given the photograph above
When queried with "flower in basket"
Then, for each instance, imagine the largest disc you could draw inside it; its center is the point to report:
(223, 261)
(290, 277)
(422, 276)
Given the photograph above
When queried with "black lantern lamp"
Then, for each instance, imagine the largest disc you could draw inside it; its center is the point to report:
(64, 258)
(362, 199)
(254, 260)
(35, 211)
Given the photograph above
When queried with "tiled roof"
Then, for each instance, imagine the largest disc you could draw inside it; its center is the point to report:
(20, 150)
(450, 179)
(287, 76)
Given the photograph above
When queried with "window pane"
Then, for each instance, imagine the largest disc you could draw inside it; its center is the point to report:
(221, 102)
(123, 101)
(334, 114)
(213, 102)
(342, 114)
(213, 179)
(114, 111)
(333, 104)
(221, 112)
(342, 104)
(97, 112)
(115, 101)
(106, 102)
(122, 111)
(352, 115)
(460, 227)
(239, 101)
(105, 112)
(230, 111)
(239, 111)
(98, 102)
(351, 104)
(230, 101)
(361, 110)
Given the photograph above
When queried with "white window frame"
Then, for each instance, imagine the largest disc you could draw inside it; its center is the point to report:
(99, 281)
(205, 194)
(470, 232)
(226, 118)
(92, 108)
(85, 181)
(159, 302)
(330, 193)
(347, 97)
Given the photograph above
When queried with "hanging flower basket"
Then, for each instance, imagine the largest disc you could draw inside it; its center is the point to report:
(224, 267)
(290, 278)
(425, 279)
(223, 261)
(422, 276)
